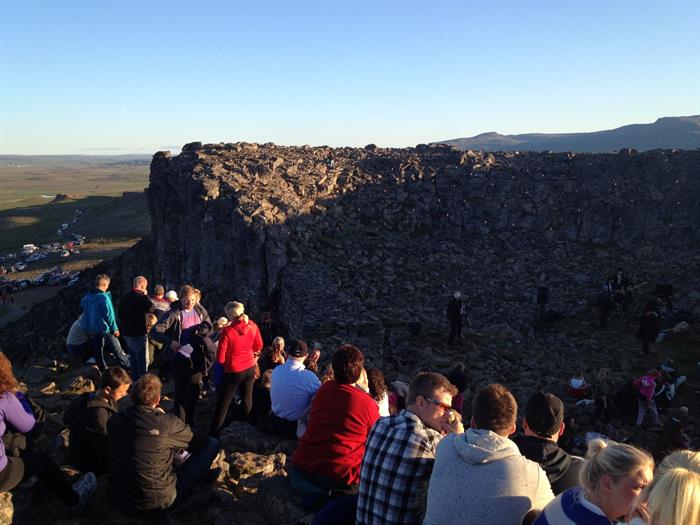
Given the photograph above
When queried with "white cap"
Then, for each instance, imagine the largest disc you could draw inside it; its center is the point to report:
(171, 296)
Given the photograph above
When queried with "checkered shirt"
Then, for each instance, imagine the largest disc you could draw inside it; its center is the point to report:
(396, 469)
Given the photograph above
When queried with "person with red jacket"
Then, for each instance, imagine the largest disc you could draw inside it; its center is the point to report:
(239, 344)
(328, 459)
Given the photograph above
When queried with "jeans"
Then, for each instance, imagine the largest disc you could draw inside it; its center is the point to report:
(113, 347)
(195, 468)
(340, 511)
(138, 348)
(81, 352)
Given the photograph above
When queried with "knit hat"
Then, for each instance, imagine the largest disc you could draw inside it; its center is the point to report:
(544, 413)
(298, 349)
(171, 296)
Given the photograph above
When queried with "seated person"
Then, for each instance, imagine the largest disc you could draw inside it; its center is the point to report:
(272, 356)
(16, 414)
(87, 417)
(262, 403)
(311, 362)
(328, 459)
(143, 442)
(543, 425)
(79, 343)
(292, 389)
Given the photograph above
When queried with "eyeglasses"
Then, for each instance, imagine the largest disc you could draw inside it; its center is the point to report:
(445, 407)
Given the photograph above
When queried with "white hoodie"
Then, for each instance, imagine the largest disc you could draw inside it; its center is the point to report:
(481, 478)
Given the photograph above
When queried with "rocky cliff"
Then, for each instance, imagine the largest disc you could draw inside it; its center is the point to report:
(345, 244)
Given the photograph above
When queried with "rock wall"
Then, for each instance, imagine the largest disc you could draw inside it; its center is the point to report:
(349, 244)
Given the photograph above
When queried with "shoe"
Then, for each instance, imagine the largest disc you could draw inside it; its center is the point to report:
(85, 488)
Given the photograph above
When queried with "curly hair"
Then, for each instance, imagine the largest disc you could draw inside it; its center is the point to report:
(348, 362)
(377, 386)
(8, 382)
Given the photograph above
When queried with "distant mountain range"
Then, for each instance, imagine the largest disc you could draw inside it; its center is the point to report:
(665, 133)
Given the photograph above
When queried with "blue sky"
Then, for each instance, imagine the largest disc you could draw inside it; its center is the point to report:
(117, 77)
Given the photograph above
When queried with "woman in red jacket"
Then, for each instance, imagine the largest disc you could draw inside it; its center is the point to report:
(239, 343)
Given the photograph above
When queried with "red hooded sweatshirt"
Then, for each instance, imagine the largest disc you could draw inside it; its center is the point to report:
(237, 345)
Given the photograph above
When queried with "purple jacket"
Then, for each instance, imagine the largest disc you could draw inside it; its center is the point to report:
(15, 413)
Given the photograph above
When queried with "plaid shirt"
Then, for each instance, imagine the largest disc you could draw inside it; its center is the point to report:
(396, 469)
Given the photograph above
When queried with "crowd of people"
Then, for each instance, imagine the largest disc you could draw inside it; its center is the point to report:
(368, 452)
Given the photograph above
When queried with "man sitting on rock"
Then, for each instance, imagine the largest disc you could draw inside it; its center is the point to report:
(292, 389)
(100, 322)
(87, 418)
(480, 476)
(401, 452)
(328, 459)
(143, 443)
(543, 424)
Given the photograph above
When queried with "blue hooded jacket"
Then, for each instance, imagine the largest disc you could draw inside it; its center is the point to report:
(98, 313)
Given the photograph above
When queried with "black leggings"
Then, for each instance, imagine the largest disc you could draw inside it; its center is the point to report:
(38, 464)
(243, 381)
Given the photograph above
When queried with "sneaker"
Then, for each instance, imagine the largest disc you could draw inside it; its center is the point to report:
(85, 488)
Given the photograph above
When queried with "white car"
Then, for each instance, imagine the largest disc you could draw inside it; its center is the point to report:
(65, 253)
(20, 266)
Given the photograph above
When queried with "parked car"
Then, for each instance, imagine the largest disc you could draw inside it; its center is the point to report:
(61, 278)
(24, 283)
(74, 281)
(20, 266)
(65, 253)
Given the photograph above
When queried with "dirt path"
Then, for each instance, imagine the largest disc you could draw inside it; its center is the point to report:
(24, 300)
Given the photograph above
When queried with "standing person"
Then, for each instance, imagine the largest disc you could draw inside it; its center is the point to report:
(143, 442)
(601, 396)
(646, 385)
(649, 326)
(238, 344)
(454, 315)
(132, 311)
(543, 425)
(400, 454)
(178, 326)
(542, 296)
(87, 417)
(481, 476)
(328, 459)
(16, 413)
(621, 289)
(160, 303)
(612, 479)
(605, 305)
(99, 321)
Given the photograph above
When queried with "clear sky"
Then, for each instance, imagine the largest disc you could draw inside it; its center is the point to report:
(138, 76)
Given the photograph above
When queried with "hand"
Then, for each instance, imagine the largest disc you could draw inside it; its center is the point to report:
(452, 424)
(175, 346)
(640, 511)
(116, 333)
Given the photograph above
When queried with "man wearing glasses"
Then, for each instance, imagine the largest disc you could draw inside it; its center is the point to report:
(400, 453)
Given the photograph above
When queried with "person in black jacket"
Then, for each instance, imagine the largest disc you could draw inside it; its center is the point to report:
(542, 426)
(87, 417)
(132, 311)
(649, 326)
(454, 314)
(143, 444)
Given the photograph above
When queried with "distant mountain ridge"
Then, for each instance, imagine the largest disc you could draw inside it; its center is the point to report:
(665, 133)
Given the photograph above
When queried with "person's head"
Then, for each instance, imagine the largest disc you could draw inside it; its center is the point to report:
(315, 353)
(348, 362)
(674, 495)
(544, 416)
(376, 383)
(102, 282)
(494, 408)
(197, 295)
(146, 391)
(298, 351)
(614, 474)
(151, 321)
(266, 378)
(158, 291)
(327, 374)
(458, 377)
(188, 297)
(457, 295)
(278, 344)
(171, 296)
(430, 398)
(140, 283)
(115, 382)
(234, 311)
(8, 382)
(603, 374)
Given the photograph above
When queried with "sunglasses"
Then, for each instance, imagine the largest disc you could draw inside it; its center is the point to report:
(445, 407)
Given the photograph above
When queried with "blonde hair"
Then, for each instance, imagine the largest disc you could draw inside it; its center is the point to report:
(613, 459)
(234, 310)
(673, 496)
(151, 321)
(187, 290)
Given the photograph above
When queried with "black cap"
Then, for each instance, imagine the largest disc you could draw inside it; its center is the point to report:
(298, 349)
(544, 414)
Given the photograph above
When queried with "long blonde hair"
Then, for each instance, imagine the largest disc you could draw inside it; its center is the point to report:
(612, 459)
(673, 497)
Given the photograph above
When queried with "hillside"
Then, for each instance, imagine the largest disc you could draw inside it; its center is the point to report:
(665, 133)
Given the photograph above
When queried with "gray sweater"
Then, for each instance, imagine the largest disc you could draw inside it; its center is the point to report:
(481, 478)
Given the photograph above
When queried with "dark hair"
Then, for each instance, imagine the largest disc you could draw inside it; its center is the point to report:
(8, 383)
(426, 384)
(458, 377)
(114, 377)
(146, 390)
(377, 386)
(494, 408)
(347, 364)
